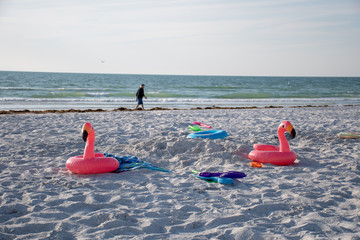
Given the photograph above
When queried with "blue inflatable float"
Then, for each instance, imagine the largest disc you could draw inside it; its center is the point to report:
(213, 134)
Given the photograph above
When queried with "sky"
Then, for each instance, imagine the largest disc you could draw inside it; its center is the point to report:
(182, 37)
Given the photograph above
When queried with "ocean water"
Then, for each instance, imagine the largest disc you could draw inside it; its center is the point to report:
(59, 91)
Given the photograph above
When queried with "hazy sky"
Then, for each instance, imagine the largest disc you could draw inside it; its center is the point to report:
(196, 37)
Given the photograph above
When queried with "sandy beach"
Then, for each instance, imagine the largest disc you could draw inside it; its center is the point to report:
(318, 197)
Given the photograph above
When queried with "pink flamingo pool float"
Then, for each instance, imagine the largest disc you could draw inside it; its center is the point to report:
(277, 155)
(91, 162)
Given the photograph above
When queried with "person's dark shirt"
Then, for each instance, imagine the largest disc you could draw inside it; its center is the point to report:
(140, 93)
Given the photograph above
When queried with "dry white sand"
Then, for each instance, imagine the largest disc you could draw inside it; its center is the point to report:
(317, 198)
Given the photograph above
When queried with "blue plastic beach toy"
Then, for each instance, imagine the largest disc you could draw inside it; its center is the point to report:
(212, 134)
(222, 180)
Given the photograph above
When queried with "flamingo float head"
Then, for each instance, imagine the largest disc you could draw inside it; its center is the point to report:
(87, 130)
(88, 135)
(287, 127)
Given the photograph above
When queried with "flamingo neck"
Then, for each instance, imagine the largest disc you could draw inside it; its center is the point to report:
(284, 145)
(89, 151)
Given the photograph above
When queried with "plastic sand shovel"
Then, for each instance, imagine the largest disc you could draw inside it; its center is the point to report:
(195, 128)
(349, 135)
(256, 164)
(230, 174)
(202, 124)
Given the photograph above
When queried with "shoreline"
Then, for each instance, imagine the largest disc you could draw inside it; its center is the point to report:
(26, 111)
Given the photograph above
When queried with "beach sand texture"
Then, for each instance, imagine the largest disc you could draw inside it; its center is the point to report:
(316, 198)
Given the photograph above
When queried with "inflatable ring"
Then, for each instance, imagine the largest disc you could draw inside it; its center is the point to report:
(91, 162)
(277, 155)
(213, 134)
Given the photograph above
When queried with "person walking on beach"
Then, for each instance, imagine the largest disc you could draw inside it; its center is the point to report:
(139, 96)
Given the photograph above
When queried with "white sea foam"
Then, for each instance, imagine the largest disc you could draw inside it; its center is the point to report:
(11, 103)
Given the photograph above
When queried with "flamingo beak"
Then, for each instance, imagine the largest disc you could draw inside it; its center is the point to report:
(291, 130)
(86, 130)
(84, 135)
